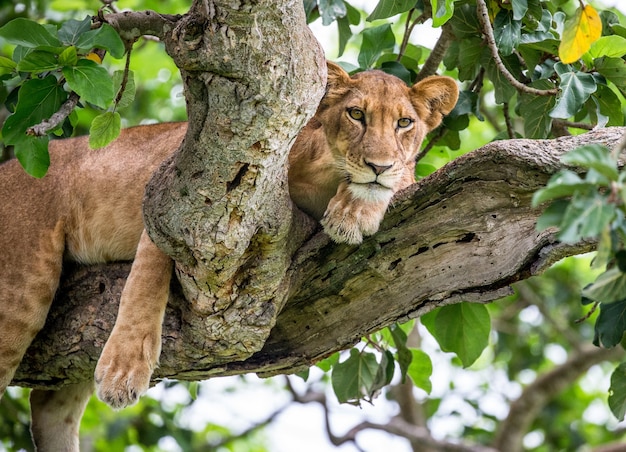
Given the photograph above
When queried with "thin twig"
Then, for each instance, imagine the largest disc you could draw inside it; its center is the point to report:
(483, 18)
(408, 29)
(47, 125)
(120, 93)
(510, 131)
(576, 125)
(430, 144)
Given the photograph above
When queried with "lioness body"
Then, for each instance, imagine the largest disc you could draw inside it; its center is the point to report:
(345, 166)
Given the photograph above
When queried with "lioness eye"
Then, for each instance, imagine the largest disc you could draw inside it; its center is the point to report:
(356, 114)
(404, 122)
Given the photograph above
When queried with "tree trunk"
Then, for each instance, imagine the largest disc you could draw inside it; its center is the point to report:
(465, 233)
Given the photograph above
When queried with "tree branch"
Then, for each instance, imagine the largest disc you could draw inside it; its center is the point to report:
(483, 18)
(436, 55)
(463, 234)
(47, 125)
(131, 25)
(524, 410)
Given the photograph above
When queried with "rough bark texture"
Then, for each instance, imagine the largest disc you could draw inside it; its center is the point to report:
(253, 76)
(463, 234)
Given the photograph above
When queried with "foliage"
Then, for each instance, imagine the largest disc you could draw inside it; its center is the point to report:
(593, 207)
(559, 68)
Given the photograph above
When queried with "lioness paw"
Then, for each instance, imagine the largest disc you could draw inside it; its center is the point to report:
(348, 219)
(342, 230)
(122, 374)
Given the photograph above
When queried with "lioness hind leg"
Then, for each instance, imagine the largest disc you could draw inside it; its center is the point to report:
(56, 416)
(29, 277)
(132, 351)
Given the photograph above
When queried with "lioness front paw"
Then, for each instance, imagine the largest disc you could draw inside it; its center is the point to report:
(123, 373)
(348, 220)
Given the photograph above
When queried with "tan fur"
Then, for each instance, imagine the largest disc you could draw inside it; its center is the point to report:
(88, 209)
(333, 164)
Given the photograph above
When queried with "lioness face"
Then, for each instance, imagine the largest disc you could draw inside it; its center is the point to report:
(375, 125)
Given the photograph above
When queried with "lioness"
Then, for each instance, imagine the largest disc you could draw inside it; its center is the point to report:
(346, 164)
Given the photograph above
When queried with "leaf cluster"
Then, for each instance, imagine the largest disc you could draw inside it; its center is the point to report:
(48, 64)
(592, 206)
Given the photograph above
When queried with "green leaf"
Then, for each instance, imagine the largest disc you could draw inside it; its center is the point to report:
(609, 105)
(330, 10)
(553, 215)
(507, 32)
(420, 370)
(328, 363)
(388, 8)
(469, 54)
(105, 38)
(353, 17)
(32, 153)
(404, 356)
(608, 46)
(104, 129)
(610, 324)
(576, 87)
(27, 33)
(608, 287)
(537, 122)
(354, 378)
(520, 7)
(38, 99)
(503, 89)
(397, 69)
(91, 82)
(73, 29)
(614, 69)
(563, 184)
(38, 61)
(585, 217)
(617, 392)
(461, 328)
(7, 65)
(375, 41)
(596, 156)
(68, 57)
(464, 22)
(442, 11)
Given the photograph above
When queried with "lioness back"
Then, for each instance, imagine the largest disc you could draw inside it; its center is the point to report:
(87, 208)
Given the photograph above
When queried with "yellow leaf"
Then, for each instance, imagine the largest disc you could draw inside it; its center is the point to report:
(94, 57)
(580, 32)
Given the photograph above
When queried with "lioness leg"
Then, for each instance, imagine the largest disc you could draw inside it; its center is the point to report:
(132, 351)
(56, 416)
(29, 277)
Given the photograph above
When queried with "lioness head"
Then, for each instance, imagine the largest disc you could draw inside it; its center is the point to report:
(375, 124)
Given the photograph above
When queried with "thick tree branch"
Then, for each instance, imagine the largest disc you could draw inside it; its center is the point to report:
(436, 55)
(131, 25)
(463, 234)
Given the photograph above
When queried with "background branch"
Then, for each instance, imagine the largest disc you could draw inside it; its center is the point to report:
(536, 395)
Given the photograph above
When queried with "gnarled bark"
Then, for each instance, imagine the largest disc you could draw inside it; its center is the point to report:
(463, 234)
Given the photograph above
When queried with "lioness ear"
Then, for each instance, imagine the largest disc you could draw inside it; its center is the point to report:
(336, 75)
(434, 97)
(337, 84)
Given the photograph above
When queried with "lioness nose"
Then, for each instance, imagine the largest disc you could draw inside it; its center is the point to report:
(378, 169)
